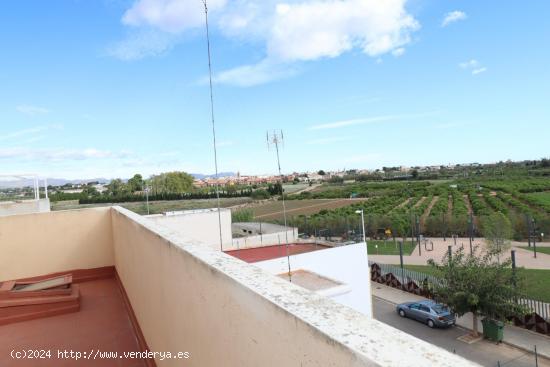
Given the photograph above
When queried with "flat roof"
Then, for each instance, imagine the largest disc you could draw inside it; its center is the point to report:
(251, 255)
(102, 324)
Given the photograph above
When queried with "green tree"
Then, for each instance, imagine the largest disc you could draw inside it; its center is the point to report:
(135, 183)
(89, 190)
(172, 182)
(116, 187)
(321, 172)
(478, 283)
(260, 194)
(497, 231)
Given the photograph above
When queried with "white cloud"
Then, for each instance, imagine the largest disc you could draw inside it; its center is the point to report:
(25, 153)
(31, 131)
(174, 16)
(479, 71)
(469, 64)
(142, 44)
(32, 110)
(474, 66)
(398, 52)
(315, 29)
(330, 140)
(367, 120)
(249, 75)
(297, 30)
(453, 16)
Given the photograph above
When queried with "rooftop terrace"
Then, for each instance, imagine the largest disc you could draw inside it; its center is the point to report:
(186, 297)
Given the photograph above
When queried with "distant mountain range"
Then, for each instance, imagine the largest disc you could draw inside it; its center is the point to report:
(63, 181)
(200, 176)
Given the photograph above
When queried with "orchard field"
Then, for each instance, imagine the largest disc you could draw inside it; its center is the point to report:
(441, 208)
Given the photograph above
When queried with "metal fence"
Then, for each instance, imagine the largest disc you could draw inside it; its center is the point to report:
(538, 307)
(404, 276)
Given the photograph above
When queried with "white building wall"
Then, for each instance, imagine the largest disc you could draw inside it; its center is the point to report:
(201, 225)
(345, 264)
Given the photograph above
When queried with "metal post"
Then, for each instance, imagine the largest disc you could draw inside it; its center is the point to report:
(528, 230)
(534, 237)
(450, 253)
(46, 186)
(513, 256)
(418, 236)
(470, 231)
(536, 357)
(147, 198)
(261, 235)
(401, 262)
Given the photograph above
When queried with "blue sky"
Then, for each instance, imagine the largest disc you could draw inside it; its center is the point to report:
(109, 88)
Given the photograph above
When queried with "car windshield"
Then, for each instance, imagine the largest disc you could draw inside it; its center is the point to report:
(439, 309)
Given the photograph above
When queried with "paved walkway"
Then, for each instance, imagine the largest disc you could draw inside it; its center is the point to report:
(524, 258)
(514, 336)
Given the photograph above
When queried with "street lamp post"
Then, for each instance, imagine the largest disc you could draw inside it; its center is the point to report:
(360, 211)
(369, 301)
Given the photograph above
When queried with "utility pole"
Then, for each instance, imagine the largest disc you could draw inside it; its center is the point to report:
(275, 139)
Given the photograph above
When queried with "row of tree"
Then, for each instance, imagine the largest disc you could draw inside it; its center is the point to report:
(165, 186)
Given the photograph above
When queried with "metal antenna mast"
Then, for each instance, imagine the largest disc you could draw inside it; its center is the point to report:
(213, 123)
(275, 139)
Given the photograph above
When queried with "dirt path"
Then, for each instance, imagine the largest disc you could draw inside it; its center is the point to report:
(406, 202)
(419, 202)
(428, 209)
(468, 204)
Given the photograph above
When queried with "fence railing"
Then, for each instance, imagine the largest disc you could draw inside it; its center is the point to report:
(405, 275)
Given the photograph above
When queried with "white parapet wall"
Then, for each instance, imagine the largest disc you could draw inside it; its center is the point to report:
(256, 234)
(24, 207)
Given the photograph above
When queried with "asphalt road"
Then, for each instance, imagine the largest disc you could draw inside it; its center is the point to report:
(483, 352)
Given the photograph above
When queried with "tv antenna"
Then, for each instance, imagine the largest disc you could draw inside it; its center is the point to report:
(213, 121)
(276, 139)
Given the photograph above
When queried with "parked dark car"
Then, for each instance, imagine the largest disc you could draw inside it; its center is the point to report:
(428, 312)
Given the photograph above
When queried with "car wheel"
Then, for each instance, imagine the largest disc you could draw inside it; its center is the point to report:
(402, 313)
(431, 324)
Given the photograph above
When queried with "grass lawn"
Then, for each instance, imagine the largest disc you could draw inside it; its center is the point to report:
(388, 248)
(544, 250)
(537, 282)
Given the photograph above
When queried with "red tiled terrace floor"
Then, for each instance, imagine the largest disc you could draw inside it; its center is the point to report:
(251, 255)
(101, 324)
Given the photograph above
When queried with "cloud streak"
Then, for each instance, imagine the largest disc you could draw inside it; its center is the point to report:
(24, 153)
(474, 66)
(32, 110)
(26, 132)
(453, 17)
(367, 120)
